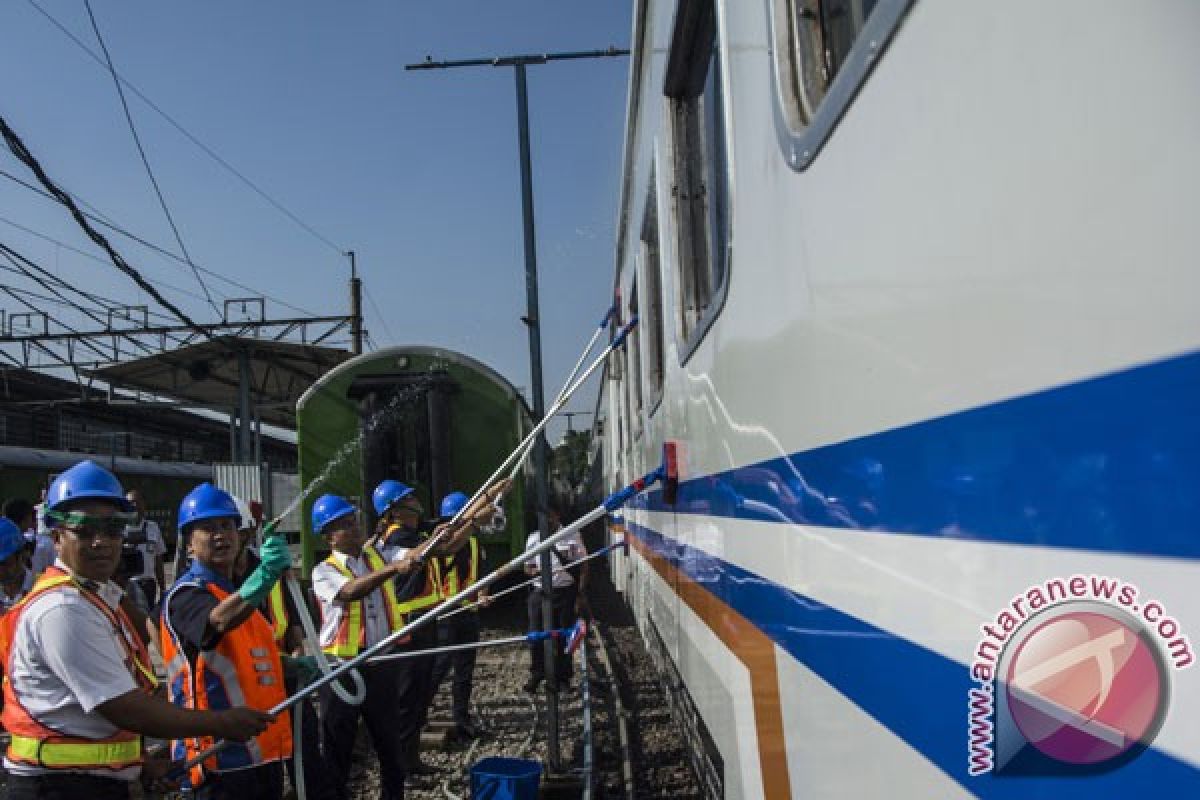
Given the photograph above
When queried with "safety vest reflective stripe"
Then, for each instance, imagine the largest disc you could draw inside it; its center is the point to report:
(431, 593)
(351, 635)
(277, 612)
(137, 657)
(35, 744)
(101, 755)
(452, 584)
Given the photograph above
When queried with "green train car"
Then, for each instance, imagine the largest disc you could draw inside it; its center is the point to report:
(435, 419)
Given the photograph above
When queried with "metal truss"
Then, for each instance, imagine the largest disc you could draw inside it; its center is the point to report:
(128, 328)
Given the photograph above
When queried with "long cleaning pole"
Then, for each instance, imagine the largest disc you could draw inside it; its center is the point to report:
(610, 504)
(532, 636)
(562, 393)
(522, 449)
(603, 551)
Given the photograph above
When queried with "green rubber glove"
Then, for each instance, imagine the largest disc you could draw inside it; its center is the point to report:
(302, 669)
(274, 558)
(274, 555)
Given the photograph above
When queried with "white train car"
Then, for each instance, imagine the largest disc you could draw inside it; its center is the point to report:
(919, 291)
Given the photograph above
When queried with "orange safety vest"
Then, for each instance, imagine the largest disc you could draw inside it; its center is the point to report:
(454, 581)
(37, 745)
(243, 669)
(351, 635)
(431, 593)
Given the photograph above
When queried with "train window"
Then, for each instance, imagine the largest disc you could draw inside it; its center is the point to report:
(633, 354)
(823, 51)
(651, 312)
(700, 190)
(819, 35)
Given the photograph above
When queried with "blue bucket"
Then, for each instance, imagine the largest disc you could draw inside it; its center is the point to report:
(499, 778)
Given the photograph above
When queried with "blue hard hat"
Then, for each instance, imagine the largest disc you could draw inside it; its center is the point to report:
(11, 538)
(87, 480)
(453, 503)
(206, 502)
(387, 494)
(329, 507)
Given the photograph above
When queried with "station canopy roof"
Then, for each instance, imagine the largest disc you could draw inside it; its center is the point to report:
(207, 374)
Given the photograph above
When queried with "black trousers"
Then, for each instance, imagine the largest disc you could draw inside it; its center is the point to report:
(459, 629)
(563, 602)
(264, 782)
(339, 728)
(416, 690)
(67, 786)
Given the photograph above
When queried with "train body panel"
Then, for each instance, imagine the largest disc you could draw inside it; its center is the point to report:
(951, 356)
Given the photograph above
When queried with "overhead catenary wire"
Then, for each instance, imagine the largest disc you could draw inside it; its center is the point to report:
(12, 292)
(16, 259)
(137, 140)
(101, 219)
(22, 152)
(46, 277)
(191, 137)
(94, 257)
(382, 319)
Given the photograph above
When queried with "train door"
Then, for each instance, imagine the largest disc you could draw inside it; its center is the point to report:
(404, 428)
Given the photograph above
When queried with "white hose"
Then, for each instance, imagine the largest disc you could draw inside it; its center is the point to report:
(310, 642)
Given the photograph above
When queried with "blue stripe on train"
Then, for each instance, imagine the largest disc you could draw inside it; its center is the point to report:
(1110, 463)
(919, 695)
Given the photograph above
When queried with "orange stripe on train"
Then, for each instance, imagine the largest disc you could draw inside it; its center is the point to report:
(755, 651)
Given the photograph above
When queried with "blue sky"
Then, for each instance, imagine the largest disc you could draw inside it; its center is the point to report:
(415, 171)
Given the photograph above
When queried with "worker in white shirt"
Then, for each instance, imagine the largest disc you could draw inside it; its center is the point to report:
(144, 548)
(355, 587)
(78, 694)
(568, 588)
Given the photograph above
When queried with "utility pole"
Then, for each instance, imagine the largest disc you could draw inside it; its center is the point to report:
(532, 322)
(356, 331)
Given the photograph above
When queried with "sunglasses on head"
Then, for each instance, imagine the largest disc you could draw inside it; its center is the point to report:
(83, 524)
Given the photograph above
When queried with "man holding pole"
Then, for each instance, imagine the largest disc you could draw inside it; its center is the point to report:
(566, 597)
(400, 512)
(458, 572)
(78, 693)
(360, 608)
(221, 650)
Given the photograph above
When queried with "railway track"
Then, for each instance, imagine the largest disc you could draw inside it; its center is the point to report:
(637, 752)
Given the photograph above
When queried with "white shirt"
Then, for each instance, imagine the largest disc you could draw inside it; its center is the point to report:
(569, 549)
(8, 601)
(327, 582)
(151, 549)
(66, 661)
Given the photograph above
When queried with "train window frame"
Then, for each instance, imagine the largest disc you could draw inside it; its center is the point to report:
(700, 154)
(650, 311)
(802, 139)
(633, 356)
